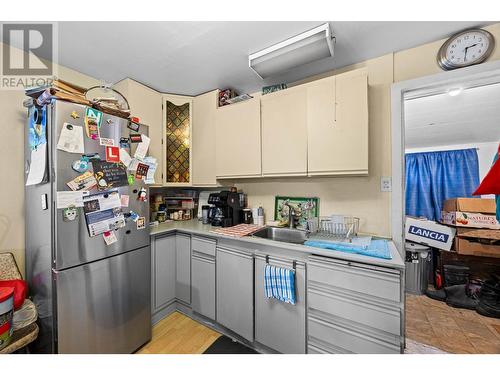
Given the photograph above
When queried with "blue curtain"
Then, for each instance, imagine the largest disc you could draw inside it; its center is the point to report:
(433, 177)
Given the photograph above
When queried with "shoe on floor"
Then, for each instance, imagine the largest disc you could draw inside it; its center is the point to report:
(489, 299)
(456, 296)
(438, 295)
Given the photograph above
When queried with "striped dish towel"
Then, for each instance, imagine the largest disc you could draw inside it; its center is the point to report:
(279, 283)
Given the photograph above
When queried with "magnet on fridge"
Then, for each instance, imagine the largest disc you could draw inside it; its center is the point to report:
(80, 166)
(136, 138)
(131, 179)
(112, 154)
(142, 195)
(141, 222)
(132, 216)
(75, 115)
(70, 213)
(133, 126)
(124, 142)
(109, 121)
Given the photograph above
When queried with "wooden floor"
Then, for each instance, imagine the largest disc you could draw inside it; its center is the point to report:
(453, 330)
(178, 334)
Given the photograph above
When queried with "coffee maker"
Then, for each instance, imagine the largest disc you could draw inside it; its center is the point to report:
(227, 211)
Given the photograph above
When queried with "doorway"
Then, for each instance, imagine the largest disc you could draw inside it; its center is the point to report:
(446, 131)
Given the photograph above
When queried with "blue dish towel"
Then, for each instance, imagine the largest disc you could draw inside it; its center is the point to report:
(376, 249)
(279, 283)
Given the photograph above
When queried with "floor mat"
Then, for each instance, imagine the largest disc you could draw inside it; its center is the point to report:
(225, 345)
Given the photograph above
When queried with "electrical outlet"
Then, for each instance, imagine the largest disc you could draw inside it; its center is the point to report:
(385, 184)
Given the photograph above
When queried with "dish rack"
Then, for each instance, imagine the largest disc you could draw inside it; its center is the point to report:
(337, 227)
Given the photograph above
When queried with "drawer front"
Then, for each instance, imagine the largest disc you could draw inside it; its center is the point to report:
(353, 308)
(347, 340)
(203, 245)
(357, 278)
(203, 286)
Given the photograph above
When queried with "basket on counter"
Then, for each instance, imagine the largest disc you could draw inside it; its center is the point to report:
(333, 227)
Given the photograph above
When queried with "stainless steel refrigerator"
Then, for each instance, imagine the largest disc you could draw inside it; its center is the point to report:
(91, 297)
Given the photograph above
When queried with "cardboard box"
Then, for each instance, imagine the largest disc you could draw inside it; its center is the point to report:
(486, 234)
(485, 206)
(470, 246)
(429, 233)
(469, 220)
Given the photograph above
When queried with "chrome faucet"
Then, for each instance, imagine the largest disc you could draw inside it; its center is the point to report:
(293, 215)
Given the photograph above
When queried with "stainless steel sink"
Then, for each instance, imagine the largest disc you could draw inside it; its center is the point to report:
(282, 234)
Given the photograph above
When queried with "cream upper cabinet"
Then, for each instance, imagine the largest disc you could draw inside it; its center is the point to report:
(284, 132)
(337, 125)
(237, 142)
(146, 104)
(204, 111)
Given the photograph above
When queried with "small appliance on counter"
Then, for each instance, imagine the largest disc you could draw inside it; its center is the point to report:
(227, 210)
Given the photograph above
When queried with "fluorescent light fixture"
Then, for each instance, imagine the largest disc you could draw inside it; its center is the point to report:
(455, 91)
(301, 49)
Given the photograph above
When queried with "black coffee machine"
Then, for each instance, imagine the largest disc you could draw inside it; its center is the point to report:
(227, 211)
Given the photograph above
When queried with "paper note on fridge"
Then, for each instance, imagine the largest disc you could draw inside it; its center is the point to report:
(142, 148)
(71, 139)
(65, 199)
(150, 175)
(38, 163)
(125, 157)
(103, 212)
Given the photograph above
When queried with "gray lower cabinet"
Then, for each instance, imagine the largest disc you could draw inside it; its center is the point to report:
(235, 271)
(183, 268)
(163, 259)
(278, 325)
(353, 307)
(203, 284)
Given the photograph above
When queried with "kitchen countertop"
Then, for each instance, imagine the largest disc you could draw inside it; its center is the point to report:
(196, 227)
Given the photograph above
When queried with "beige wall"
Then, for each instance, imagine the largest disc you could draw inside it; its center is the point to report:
(13, 123)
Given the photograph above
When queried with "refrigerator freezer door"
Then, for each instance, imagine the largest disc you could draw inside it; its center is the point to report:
(74, 246)
(104, 306)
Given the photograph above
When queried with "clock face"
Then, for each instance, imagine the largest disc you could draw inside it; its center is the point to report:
(466, 48)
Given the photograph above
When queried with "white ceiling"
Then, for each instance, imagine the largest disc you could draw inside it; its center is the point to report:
(473, 116)
(194, 57)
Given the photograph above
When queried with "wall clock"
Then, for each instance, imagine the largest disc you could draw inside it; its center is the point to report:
(465, 48)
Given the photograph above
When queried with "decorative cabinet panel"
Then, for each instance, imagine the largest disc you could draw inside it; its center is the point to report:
(237, 143)
(284, 132)
(177, 140)
(204, 110)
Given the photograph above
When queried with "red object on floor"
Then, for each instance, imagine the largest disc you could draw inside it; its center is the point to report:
(491, 182)
(20, 290)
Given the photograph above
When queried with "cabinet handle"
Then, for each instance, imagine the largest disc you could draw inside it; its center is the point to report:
(335, 113)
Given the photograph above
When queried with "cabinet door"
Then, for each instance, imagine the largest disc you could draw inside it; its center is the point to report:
(203, 285)
(204, 107)
(284, 133)
(279, 325)
(321, 126)
(183, 268)
(235, 291)
(177, 140)
(163, 271)
(237, 144)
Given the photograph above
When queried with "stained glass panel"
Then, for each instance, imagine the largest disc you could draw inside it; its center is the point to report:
(178, 136)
